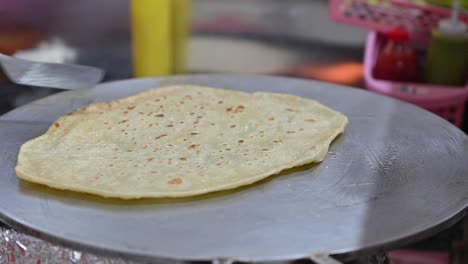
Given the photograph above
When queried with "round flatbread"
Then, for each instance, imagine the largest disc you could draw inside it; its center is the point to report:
(179, 141)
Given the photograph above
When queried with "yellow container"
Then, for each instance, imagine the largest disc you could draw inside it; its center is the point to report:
(159, 33)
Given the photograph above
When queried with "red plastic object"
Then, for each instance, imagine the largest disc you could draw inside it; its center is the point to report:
(397, 61)
(398, 35)
(415, 257)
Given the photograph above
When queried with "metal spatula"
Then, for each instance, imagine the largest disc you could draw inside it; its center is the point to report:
(51, 75)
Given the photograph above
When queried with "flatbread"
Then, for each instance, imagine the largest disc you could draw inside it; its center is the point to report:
(179, 141)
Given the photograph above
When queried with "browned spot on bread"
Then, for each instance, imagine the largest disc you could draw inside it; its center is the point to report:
(311, 120)
(194, 133)
(56, 124)
(159, 115)
(175, 181)
(290, 131)
(239, 109)
(193, 146)
(160, 136)
(240, 141)
(229, 109)
(131, 107)
(169, 125)
(183, 159)
(125, 112)
(123, 121)
(271, 119)
(150, 159)
(232, 126)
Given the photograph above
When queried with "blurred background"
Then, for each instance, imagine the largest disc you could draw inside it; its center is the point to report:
(296, 38)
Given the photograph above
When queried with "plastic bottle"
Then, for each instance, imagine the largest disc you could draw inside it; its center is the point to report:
(447, 59)
(397, 60)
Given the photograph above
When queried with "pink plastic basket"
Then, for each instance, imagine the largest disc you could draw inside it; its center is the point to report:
(383, 15)
(446, 101)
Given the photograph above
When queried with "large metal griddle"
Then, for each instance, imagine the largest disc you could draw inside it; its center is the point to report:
(398, 173)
